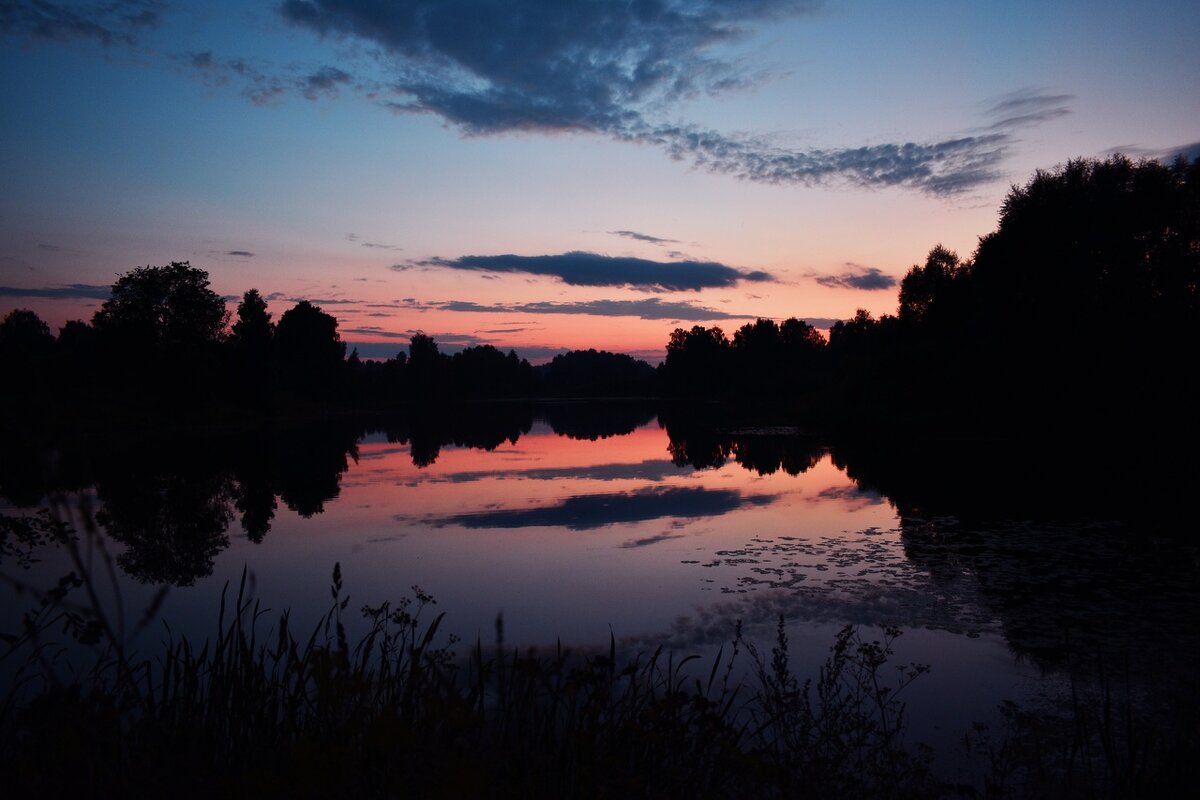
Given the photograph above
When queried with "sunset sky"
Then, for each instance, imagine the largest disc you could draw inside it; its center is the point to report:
(547, 175)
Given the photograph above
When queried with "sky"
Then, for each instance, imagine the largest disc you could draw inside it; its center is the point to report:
(546, 175)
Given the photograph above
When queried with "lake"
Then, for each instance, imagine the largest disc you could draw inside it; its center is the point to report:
(1011, 572)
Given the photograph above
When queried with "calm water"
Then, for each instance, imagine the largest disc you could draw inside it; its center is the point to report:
(577, 523)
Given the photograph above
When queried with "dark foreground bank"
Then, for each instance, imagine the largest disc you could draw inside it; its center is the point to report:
(267, 708)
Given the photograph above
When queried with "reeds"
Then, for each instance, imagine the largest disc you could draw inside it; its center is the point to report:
(263, 709)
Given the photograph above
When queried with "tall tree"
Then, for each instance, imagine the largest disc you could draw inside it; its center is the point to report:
(925, 287)
(24, 338)
(697, 361)
(253, 328)
(170, 307)
(426, 367)
(158, 336)
(251, 342)
(310, 352)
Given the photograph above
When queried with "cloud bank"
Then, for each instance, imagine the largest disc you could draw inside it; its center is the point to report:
(497, 66)
(72, 291)
(856, 276)
(1028, 106)
(579, 268)
(616, 69)
(644, 237)
(650, 308)
(107, 23)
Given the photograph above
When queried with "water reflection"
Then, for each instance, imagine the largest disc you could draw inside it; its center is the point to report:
(585, 512)
(685, 526)
(706, 441)
(172, 524)
(170, 500)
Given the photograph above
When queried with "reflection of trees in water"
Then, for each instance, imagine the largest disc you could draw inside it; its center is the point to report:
(1067, 594)
(172, 525)
(30, 471)
(171, 503)
(594, 421)
(484, 426)
(309, 467)
(1076, 557)
(255, 500)
(699, 441)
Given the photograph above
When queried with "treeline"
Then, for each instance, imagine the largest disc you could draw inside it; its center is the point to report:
(1081, 312)
(163, 341)
(1081, 309)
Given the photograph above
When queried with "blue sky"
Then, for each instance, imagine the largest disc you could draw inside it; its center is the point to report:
(525, 172)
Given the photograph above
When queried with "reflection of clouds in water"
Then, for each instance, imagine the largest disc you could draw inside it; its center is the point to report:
(863, 578)
(383, 539)
(650, 470)
(649, 540)
(586, 512)
(854, 497)
(376, 453)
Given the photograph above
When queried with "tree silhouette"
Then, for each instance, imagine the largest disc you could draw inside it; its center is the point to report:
(77, 341)
(169, 307)
(159, 334)
(251, 341)
(929, 285)
(426, 367)
(484, 371)
(596, 373)
(253, 329)
(310, 352)
(697, 361)
(24, 335)
(172, 523)
(25, 350)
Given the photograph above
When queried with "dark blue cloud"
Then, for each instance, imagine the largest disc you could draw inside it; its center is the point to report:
(609, 68)
(490, 65)
(354, 237)
(587, 512)
(325, 81)
(1028, 106)
(493, 66)
(940, 168)
(373, 330)
(73, 291)
(644, 237)
(264, 83)
(578, 268)
(824, 323)
(858, 277)
(107, 22)
(650, 308)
